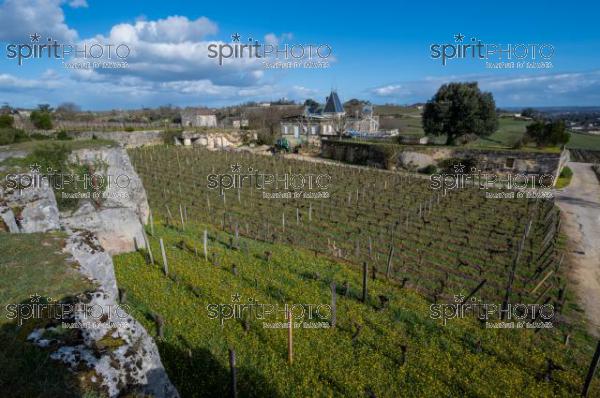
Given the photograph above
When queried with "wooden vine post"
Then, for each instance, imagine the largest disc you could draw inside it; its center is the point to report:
(164, 257)
(591, 371)
(290, 338)
(232, 367)
(365, 275)
(333, 305)
(205, 244)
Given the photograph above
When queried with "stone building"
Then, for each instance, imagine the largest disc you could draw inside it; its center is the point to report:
(327, 120)
(198, 117)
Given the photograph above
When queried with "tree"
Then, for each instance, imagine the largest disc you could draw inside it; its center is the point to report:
(548, 133)
(6, 109)
(339, 125)
(45, 108)
(354, 106)
(529, 112)
(311, 104)
(460, 109)
(67, 110)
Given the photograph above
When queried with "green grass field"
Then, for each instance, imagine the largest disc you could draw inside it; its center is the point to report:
(449, 249)
(33, 264)
(387, 350)
(29, 146)
(584, 141)
(510, 130)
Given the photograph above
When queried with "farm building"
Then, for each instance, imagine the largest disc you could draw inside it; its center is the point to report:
(198, 117)
(234, 122)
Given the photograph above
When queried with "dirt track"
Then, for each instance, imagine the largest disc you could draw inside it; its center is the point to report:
(580, 203)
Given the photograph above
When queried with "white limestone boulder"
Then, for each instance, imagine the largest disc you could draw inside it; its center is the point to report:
(34, 207)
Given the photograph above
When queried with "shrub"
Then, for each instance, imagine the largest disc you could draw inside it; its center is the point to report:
(21, 136)
(265, 137)
(390, 156)
(429, 169)
(41, 119)
(62, 135)
(6, 121)
(129, 129)
(548, 133)
(54, 156)
(39, 137)
(168, 136)
(518, 144)
(457, 165)
(7, 135)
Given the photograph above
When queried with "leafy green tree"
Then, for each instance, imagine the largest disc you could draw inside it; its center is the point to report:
(45, 108)
(529, 112)
(354, 105)
(460, 109)
(548, 133)
(67, 110)
(311, 104)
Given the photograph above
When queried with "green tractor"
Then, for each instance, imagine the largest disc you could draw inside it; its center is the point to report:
(282, 145)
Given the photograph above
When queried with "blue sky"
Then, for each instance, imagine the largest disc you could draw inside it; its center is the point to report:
(381, 51)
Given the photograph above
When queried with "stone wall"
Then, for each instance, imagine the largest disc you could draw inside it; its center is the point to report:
(415, 157)
(128, 139)
(365, 155)
(211, 140)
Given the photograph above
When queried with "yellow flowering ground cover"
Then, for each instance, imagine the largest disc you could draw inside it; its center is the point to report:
(379, 348)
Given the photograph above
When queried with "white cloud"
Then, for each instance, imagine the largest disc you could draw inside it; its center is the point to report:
(274, 40)
(303, 92)
(11, 83)
(176, 49)
(173, 29)
(390, 90)
(535, 88)
(21, 18)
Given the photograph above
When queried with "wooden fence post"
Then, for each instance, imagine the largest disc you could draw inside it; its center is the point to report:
(290, 338)
(205, 243)
(511, 276)
(151, 223)
(364, 290)
(388, 270)
(170, 222)
(147, 242)
(164, 257)
(232, 367)
(333, 305)
(591, 371)
(283, 221)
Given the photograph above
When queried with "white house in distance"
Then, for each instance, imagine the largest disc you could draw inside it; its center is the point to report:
(327, 120)
(198, 117)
